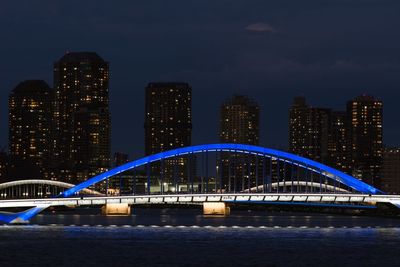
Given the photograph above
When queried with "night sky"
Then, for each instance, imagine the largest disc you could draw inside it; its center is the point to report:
(329, 51)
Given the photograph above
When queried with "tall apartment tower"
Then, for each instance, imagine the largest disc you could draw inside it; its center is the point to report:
(366, 136)
(82, 115)
(3, 166)
(390, 182)
(30, 124)
(120, 159)
(308, 130)
(339, 156)
(168, 125)
(239, 123)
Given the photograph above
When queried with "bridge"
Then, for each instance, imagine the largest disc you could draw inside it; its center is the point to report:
(216, 176)
(36, 188)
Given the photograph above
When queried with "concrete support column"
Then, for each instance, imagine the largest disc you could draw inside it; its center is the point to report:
(216, 208)
(116, 209)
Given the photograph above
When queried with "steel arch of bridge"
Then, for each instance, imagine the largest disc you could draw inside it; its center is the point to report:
(44, 182)
(314, 166)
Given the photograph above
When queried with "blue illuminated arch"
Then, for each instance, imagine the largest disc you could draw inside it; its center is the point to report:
(237, 148)
(23, 216)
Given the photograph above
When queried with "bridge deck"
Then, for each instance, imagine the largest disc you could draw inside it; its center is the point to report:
(200, 198)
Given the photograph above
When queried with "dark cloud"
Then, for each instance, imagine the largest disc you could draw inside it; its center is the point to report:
(260, 27)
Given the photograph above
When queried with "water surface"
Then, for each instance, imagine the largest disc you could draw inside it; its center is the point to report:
(175, 237)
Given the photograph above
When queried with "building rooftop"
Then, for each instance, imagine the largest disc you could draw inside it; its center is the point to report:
(31, 86)
(365, 98)
(167, 84)
(81, 56)
(240, 100)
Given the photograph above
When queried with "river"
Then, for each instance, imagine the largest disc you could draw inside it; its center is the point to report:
(184, 237)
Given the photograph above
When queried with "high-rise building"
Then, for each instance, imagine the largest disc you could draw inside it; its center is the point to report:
(120, 158)
(30, 124)
(390, 182)
(168, 116)
(168, 125)
(319, 134)
(366, 133)
(121, 183)
(239, 123)
(82, 115)
(298, 126)
(309, 130)
(350, 141)
(338, 142)
(3, 166)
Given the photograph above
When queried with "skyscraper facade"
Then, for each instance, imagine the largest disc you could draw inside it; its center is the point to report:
(120, 159)
(168, 116)
(350, 141)
(82, 116)
(3, 166)
(121, 182)
(168, 125)
(365, 115)
(319, 134)
(30, 124)
(390, 182)
(309, 130)
(339, 156)
(239, 123)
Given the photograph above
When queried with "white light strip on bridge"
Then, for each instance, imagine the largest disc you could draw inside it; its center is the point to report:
(199, 198)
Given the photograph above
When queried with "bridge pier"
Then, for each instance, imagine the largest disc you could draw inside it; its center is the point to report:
(216, 208)
(116, 209)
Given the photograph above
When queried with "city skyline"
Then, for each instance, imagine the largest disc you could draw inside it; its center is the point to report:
(281, 144)
(318, 108)
(64, 133)
(269, 51)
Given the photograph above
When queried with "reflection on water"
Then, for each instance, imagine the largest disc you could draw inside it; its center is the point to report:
(189, 217)
(170, 237)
